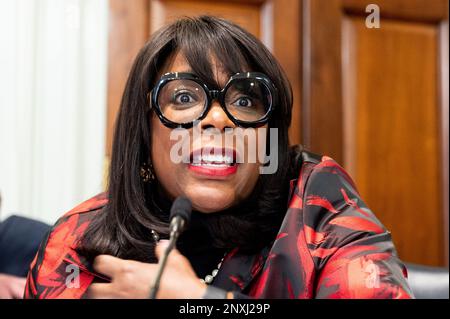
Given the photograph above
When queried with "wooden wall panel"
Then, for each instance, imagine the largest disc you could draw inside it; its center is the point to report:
(444, 102)
(128, 31)
(247, 15)
(396, 131)
(322, 87)
(287, 48)
(432, 11)
(374, 99)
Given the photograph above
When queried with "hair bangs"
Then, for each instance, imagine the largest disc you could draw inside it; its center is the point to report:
(196, 36)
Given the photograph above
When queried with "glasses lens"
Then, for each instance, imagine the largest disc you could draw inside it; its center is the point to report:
(248, 100)
(182, 100)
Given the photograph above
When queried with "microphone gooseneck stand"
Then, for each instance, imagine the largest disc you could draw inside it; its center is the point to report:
(180, 214)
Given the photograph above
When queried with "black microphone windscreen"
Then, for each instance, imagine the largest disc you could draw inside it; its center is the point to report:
(181, 207)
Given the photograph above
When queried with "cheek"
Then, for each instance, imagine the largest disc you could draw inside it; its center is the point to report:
(248, 179)
(262, 134)
(167, 172)
(252, 170)
(249, 171)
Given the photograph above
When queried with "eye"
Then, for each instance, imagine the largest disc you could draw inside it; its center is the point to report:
(183, 98)
(243, 102)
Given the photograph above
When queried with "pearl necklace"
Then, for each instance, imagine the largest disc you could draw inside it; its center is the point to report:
(209, 278)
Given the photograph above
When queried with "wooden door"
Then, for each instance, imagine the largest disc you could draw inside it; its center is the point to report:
(376, 99)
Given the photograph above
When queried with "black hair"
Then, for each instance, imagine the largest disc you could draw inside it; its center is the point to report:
(122, 228)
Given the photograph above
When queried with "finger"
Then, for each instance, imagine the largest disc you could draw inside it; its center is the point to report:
(108, 265)
(161, 248)
(174, 257)
(17, 288)
(100, 291)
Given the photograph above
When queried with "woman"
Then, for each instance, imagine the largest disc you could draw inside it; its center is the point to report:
(300, 232)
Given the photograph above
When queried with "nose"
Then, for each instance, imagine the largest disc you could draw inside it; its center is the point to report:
(217, 118)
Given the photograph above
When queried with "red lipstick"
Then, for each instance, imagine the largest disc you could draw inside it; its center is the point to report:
(213, 162)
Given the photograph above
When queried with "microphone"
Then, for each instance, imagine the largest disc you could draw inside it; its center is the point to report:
(180, 216)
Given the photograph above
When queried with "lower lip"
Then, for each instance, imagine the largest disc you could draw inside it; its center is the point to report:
(213, 171)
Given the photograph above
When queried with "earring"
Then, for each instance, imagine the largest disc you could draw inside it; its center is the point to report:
(146, 173)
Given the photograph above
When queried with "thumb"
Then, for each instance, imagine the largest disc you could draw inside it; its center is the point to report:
(161, 247)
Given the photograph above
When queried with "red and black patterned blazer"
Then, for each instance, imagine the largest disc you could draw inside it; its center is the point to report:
(330, 245)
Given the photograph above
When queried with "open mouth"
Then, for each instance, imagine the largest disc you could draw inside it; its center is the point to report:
(214, 161)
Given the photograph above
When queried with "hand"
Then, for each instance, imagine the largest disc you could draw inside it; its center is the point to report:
(133, 279)
(11, 287)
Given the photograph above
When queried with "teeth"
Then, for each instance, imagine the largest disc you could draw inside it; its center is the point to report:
(213, 159)
(210, 164)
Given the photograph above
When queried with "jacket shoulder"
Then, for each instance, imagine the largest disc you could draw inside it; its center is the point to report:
(48, 271)
(91, 204)
(303, 163)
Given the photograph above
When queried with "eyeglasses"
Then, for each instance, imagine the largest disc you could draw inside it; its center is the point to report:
(179, 99)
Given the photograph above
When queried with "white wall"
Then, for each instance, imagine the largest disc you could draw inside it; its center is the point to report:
(53, 59)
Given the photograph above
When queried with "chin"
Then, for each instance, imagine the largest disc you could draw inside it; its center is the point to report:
(207, 200)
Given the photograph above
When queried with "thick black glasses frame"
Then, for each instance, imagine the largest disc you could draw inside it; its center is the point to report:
(212, 95)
